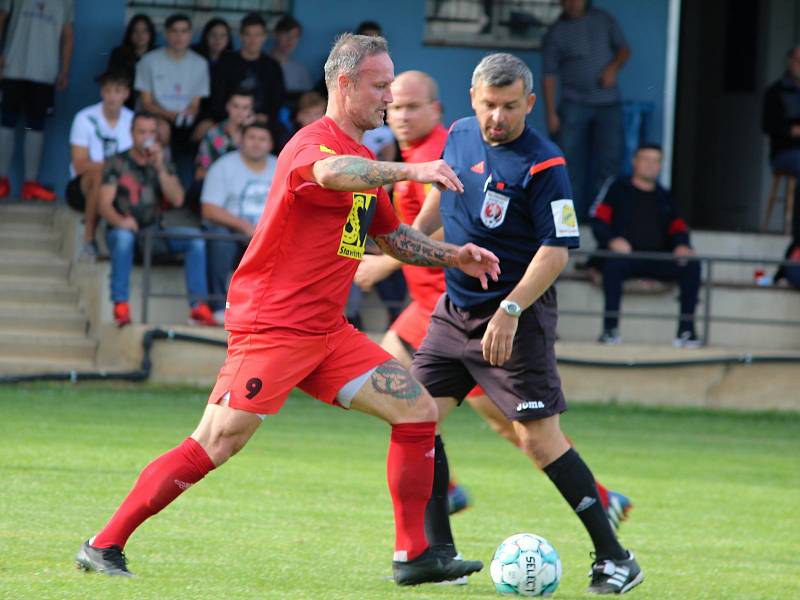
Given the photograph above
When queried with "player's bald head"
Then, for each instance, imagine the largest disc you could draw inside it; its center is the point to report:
(416, 81)
(415, 110)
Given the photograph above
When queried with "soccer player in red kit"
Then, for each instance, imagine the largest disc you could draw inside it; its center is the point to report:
(415, 118)
(286, 323)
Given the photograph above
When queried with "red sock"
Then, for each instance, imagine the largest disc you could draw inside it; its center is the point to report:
(602, 491)
(409, 471)
(159, 483)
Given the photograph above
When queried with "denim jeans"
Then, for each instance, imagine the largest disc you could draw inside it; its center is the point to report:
(222, 257)
(122, 244)
(788, 161)
(591, 138)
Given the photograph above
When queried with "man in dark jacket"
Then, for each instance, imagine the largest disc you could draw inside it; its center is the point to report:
(252, 70)
(781, 122)
(636, 214)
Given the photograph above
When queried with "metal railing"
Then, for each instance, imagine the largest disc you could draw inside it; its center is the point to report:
(707, 262)
(148, 236)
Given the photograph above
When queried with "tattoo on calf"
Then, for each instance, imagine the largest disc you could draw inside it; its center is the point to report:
(414, 248)
(392, 379)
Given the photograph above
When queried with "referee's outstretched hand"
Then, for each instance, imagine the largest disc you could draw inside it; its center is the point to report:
(437, 172)
(478, 262)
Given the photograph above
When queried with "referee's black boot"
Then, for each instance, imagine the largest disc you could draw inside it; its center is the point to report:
(431, 567)
(110, 561)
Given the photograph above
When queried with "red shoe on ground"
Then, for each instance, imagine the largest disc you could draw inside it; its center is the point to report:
(122, 314)
(201, 314)
(33, 190)
(5, 187)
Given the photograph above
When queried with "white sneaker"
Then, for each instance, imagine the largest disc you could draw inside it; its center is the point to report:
(219, 316)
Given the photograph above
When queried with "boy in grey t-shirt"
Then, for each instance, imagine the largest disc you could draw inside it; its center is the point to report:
(171, 82)
(36, 61)
(234, 194)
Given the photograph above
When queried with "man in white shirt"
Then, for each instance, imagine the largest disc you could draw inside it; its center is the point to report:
(171, 81)
(98, 132)
(234, 195)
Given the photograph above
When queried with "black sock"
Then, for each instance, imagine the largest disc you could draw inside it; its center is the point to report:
(575, 481)
(437, 512)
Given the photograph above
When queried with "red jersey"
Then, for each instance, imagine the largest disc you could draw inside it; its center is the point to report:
(298, 268)
(425, 284)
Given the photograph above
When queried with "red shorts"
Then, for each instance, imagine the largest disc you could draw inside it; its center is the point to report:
(262, 368)
(412, 324)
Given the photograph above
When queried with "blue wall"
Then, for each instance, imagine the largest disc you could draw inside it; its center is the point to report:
(99, 27)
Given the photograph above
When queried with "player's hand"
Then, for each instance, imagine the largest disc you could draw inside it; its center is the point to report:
(437, 172)
(498, 341)
(373, 269)
(478, 262)
(553, 123)
(621, 245)
(682, 250)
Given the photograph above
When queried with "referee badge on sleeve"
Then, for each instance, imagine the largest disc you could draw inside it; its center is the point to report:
(564, 218)
(494, 209)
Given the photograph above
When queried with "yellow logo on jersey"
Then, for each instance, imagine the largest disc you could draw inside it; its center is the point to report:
(568, 216)
(354, 232)
(324, 148)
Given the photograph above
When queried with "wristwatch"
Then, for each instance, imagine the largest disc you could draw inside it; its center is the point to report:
(512, 308)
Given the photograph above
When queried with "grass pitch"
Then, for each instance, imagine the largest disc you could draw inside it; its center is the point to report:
(303, 511)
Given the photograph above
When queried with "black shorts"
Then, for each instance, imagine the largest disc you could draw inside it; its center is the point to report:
(74, 194)
(450, 360)
(31, 98)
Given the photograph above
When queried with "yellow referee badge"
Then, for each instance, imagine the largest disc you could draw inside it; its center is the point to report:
(564, 218)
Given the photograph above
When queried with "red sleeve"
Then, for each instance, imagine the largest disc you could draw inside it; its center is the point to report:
(307, 151)
(385, 220)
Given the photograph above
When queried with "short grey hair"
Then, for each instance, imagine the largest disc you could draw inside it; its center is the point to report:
(502, 69)
(347, 53)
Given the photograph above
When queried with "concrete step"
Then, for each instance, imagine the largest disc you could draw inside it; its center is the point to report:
(25, 291)
(30, 242)
(31, 213)
(45, 346)
(733, 303)
(42, 320)
(25, 366)
(40, 265)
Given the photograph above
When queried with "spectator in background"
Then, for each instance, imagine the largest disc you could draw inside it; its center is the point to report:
(583, 52)
(310, 107)
(133, 186)
(637, 214)
(226, 136)
(36, 62)
(139, 39)
(172, 81)
(295, 75)
(234, 195)
(781, 122)
(215, 39)
(252, 70)
(370, 28)
(98, 132)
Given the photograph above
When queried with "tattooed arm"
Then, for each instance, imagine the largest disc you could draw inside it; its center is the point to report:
(415, 248)
(358, 174)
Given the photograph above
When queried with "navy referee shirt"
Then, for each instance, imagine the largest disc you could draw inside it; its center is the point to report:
(516, 198)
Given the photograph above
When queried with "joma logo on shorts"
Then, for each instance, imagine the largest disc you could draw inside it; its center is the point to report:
(529, 405)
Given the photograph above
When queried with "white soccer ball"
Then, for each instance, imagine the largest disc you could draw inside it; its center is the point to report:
(527, 565)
